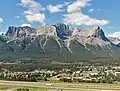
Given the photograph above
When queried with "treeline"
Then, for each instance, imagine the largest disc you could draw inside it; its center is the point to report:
(87, 81)
(29, 77)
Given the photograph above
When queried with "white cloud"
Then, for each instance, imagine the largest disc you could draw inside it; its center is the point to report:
(67, 3)
(1, 20)
(40, 17)
(2, 33)
(17, 17)
(115, 34)
(90, 10)
(33, 11)
(110, 27)
(32, 5)
(79, 18)
(98, 9)
(23, 25)
(28, 12)
(75, 15)
(56, 8)
(77, 5)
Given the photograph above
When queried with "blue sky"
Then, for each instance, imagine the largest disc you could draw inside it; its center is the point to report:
(76, 13)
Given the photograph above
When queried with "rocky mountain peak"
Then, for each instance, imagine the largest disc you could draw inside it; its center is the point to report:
(63, 30)
(11, 30)
(19, 31)
(97, 32)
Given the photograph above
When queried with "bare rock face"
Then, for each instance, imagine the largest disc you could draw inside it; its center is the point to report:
(25, 31)
(18, 32)
(46, 30)
(114, 40)
(12, 31)
(98, 33)
(63, 31)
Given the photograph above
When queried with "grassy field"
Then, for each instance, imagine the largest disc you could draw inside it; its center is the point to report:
(34, 89)
(45, 86)
(14, 88)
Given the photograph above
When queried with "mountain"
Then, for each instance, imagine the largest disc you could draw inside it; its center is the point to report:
(93, 37)
(114, 40)
(14, 33)
(56, 42)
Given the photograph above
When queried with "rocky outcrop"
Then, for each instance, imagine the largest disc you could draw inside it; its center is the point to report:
(46, 30)
(63, 31)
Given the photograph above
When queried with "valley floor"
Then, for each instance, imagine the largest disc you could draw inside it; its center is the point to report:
(47, 86)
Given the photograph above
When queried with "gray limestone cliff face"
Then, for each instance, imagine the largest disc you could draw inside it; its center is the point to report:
(98, 33)
(18, 32)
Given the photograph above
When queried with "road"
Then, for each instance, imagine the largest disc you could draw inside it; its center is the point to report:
(65, 86)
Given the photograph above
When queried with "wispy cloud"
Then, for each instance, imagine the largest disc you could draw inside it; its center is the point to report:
(38, 17)
(98, 9)
(90, 10)
(115, 34)
(56, 8)
(23, 25)
(33, 11)
(75, 15)
(77, 5)
(17, 17)
(79, 18)
(31, 5)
